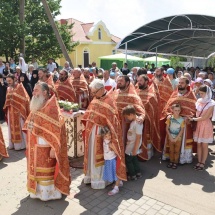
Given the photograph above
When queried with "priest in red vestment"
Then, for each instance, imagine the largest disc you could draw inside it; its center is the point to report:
(81, 88)
(165, 90)
(65, 88)
(101, 112)
(151, 135)
(48, 173)
(16, 108)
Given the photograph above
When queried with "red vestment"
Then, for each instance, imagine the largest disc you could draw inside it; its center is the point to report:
(81, 88)
(151, 125)
(51, 86)
(65, 90)
(3, 150)
(48, 124)
(165, 90)
(16, 105)
(103, 112)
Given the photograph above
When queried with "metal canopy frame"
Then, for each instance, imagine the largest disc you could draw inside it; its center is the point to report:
(188, 35)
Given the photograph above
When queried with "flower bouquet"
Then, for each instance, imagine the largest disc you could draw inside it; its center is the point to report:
(68, 106)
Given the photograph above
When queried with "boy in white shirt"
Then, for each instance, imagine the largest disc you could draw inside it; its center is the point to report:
(134, 141)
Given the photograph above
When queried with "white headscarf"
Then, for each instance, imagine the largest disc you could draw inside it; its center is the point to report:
(206, 102)
(23, 66)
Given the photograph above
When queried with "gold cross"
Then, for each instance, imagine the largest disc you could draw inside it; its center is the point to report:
(49, 159)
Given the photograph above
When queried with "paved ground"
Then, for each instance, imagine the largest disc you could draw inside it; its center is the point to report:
(160, 191)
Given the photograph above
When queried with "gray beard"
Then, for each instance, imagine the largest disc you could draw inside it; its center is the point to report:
(37, 103)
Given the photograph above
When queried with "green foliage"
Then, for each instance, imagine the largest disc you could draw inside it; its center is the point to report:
(40, 40)
(211, 62)
(175, 62)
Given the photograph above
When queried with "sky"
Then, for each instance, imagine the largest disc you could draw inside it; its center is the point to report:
(122, 17)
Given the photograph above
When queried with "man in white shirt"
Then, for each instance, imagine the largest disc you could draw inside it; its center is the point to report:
(108, 82)
(51, 67)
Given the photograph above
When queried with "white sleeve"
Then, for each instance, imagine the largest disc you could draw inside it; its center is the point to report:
(139, 128)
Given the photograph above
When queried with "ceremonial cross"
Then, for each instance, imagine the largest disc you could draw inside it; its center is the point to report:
(49, 159)
(31, 125)
(32, 167)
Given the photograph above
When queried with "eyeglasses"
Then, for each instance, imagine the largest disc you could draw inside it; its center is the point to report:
(94, 93)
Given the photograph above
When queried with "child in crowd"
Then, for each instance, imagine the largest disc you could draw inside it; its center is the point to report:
(174, 129)
(109, 173)
(134, 141)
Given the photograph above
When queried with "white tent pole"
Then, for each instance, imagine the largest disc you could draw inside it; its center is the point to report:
(156, 57)
(126, 49)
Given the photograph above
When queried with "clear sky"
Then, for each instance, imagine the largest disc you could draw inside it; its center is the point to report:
(124, 16)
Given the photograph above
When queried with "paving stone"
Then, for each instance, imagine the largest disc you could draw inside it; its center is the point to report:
(151, 211)
(95, 209)
(103, 204)
(184, 213)
(171, 213)
(126, 213)
(156, 207)
(105, 211)
(118, 212)
(175, 210)
(146, 207)
(151, 202)
(131, 201)
(133, 207)
(140, 202)
(167, 207)
(123, 207)
(125, 203)
(95, 202)
(160, 203)
(163, 211)
(141, 211)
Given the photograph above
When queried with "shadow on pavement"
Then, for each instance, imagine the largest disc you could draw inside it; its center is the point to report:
(186, 175)
(98, 201)
(36, 206)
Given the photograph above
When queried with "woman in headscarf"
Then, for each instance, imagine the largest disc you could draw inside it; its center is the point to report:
(23, 65)
(204, 130)
(67, 67)
(26, 83)
(34, 78)
(17, 73)
(171, 74)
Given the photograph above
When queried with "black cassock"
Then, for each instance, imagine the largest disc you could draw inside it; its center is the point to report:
(3, 90)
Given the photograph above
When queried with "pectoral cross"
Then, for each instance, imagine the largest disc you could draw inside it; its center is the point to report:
(31, 125)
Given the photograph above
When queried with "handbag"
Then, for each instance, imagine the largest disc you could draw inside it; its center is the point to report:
(194, 123)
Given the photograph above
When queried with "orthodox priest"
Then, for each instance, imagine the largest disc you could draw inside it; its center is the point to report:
(165, 90)
(17, 110)
(64, 87)
(151, 135)
(101, 112)
(48, 174)
(81, 88)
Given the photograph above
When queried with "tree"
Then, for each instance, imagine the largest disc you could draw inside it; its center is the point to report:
(175, 61)
(11, 30)
(40, 40)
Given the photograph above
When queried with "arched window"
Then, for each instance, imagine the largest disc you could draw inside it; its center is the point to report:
(99, 34)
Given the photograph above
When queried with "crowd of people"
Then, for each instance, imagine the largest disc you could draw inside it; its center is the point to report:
(129, 115)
